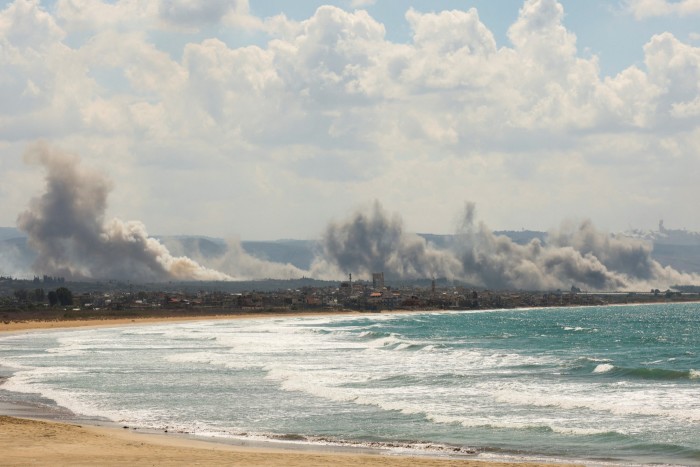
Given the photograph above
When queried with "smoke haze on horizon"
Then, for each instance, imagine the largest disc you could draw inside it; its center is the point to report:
(66, 227)
(575, 254)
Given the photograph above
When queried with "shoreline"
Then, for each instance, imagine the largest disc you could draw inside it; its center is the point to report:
(30, 441)
(42, 324)
(266, 452)
(30, 434)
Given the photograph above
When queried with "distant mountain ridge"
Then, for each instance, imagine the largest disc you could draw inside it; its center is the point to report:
(7, 233)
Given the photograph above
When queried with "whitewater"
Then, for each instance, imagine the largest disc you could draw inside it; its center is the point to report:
(598, 385)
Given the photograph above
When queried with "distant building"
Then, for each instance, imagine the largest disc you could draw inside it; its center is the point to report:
(377, 280)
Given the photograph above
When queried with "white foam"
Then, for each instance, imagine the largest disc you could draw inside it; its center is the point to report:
(603, 368)
(680, 405)
(227, 360)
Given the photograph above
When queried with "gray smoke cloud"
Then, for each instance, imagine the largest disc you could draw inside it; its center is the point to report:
(239, 263)
(246, 266)
(375, 241)
(67, 229)
(575, 254)
(496, 261)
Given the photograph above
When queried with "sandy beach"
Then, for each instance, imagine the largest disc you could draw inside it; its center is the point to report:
(33, 442)
(25, 441)
(26, 325)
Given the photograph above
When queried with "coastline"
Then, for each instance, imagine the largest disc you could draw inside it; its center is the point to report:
(36, 442)
(45, 435)
(44, 325)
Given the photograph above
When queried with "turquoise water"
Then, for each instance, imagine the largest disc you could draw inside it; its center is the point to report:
(595, 384)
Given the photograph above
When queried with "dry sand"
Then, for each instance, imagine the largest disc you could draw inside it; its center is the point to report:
(12, 326)
(34, 442)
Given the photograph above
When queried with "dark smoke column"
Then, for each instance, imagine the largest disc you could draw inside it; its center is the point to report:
(373, 241)
(66, 227)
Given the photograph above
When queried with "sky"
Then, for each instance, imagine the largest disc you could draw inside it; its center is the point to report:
(269, 119)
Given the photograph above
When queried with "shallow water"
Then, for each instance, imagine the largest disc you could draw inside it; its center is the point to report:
(609, 384)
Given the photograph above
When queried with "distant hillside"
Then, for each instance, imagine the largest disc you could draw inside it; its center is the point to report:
(16, 258)
(300, 253)
(521, 237)
(204, 247)
(680, 257)
(10, 232)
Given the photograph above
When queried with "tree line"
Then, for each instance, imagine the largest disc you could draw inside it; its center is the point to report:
(61, 296)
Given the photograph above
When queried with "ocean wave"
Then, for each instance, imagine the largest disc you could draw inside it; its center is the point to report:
(509, 424)
(405, 447)
(595, 359)
(644, 373)
(226, 360)
(397, 342)
(79, 402)
(623, 403)
(603, 368)
(371, 335)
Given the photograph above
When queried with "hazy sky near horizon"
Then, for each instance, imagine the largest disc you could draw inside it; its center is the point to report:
(268, 119)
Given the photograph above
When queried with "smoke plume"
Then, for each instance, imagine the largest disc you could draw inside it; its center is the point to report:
(374, 242)
(234, 260)
(67, 229)
(575, 254)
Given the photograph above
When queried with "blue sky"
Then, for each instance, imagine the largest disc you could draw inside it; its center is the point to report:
(270, 119)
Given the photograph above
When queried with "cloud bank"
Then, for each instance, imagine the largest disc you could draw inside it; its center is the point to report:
(282, 113)
(643, 9)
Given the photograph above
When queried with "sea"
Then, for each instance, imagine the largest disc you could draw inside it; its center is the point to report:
(607, 385)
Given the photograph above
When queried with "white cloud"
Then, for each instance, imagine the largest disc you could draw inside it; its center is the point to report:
(97, 15)
(673, 65)
(180, 15)
(24, 24)
(362, 3)
(330, 113)
(196, 14)
(643, 9)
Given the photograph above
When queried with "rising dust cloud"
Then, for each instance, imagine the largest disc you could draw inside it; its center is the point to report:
(576, 254)
(66, 226)
(67, 229)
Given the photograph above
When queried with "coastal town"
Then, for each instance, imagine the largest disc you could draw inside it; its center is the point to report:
(55, 298)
